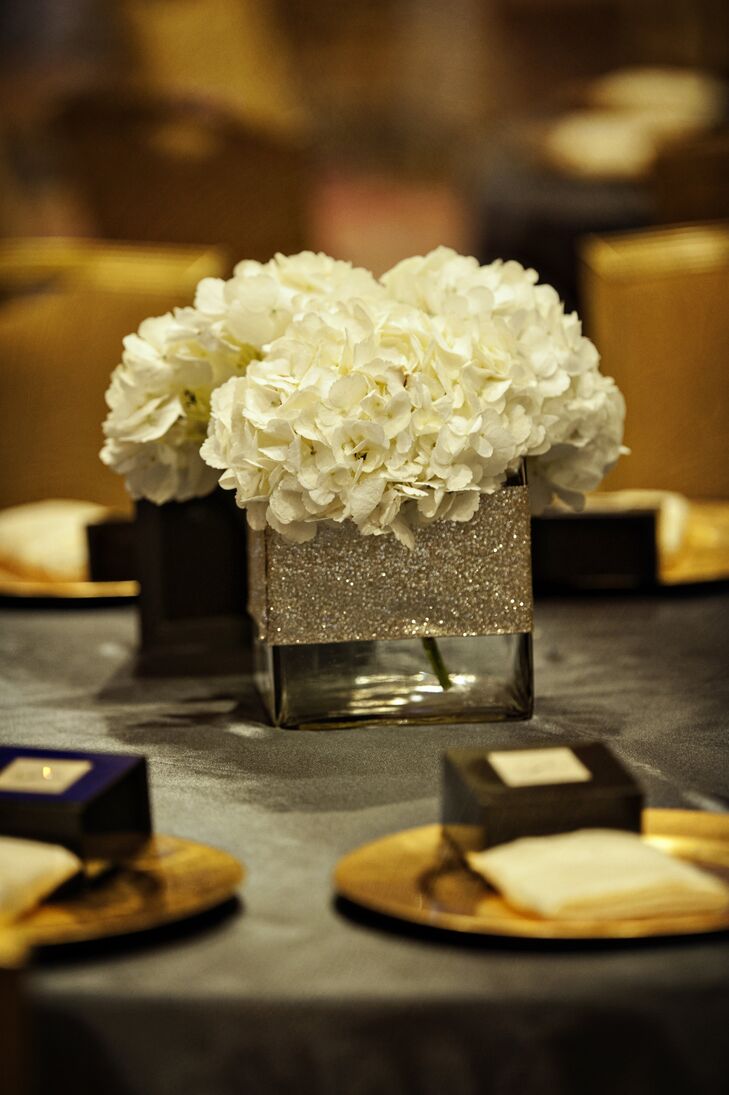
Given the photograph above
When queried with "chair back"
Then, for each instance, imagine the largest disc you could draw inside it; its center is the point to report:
(65, 307)
(657, 307)
(157, 169)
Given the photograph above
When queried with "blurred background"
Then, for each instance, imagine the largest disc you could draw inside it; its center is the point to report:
(145, 143)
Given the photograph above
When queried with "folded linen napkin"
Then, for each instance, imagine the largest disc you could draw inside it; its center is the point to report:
(29, 871)
(46, 541)
(597, 874)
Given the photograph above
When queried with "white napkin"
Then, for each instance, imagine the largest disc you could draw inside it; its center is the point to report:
(46, 541)
(29, 871)
(597, 874)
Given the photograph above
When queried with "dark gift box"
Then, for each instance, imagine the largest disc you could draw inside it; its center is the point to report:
(191, 566)
(112, 550)
(594, 551)
(96, 804)
(492, 796)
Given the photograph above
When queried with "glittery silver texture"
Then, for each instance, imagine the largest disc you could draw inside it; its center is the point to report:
(471, 578)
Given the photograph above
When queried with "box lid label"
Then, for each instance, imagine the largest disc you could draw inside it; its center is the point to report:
(538, 767)
(42, 775)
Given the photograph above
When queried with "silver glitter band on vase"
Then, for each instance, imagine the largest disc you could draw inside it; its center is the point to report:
(461, 579)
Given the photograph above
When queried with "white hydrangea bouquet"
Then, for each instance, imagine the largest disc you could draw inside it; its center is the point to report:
(326, 397)
(323, 394)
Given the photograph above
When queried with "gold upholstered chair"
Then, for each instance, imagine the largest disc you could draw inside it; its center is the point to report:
(159, 168)
(65, 306)
(657, 306)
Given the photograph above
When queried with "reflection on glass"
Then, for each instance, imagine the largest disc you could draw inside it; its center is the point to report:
(339, 684)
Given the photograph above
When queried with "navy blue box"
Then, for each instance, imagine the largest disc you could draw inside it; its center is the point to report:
(96, 804)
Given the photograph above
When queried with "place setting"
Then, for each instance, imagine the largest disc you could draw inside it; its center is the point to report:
(388, 439)
(547, 843)
(79, 859)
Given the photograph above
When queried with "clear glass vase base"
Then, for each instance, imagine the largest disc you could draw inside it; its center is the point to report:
(337, 685)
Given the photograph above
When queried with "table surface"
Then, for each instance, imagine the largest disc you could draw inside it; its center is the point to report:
(291, 993)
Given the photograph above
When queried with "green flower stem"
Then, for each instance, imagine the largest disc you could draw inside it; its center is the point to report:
(437, 664)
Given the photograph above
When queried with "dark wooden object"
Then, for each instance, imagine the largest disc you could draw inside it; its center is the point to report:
(573, 551)
(191, 565)
(480, 808)
(112, 550)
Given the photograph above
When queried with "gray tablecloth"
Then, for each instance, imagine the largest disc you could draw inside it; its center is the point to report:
(290, 994)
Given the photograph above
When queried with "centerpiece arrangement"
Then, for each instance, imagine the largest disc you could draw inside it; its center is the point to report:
(379, 434)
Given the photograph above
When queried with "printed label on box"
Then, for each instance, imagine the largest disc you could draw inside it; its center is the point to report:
(42, 775)
(538, 767)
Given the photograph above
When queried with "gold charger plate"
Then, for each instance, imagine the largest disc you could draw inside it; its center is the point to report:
(13, 586)
(411, 876)
(169, 880)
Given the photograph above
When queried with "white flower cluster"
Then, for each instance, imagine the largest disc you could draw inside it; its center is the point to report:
(576, 414)
(332, 396)
(159, 397)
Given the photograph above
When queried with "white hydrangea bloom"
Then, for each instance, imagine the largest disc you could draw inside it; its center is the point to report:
(335, 397)
(576, 415)
(159, 397)
(257, 304)
(159, 403)
(318, 275)
(375, 412)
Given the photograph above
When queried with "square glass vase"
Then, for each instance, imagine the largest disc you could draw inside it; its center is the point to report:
(360, 629)
(329, 685)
